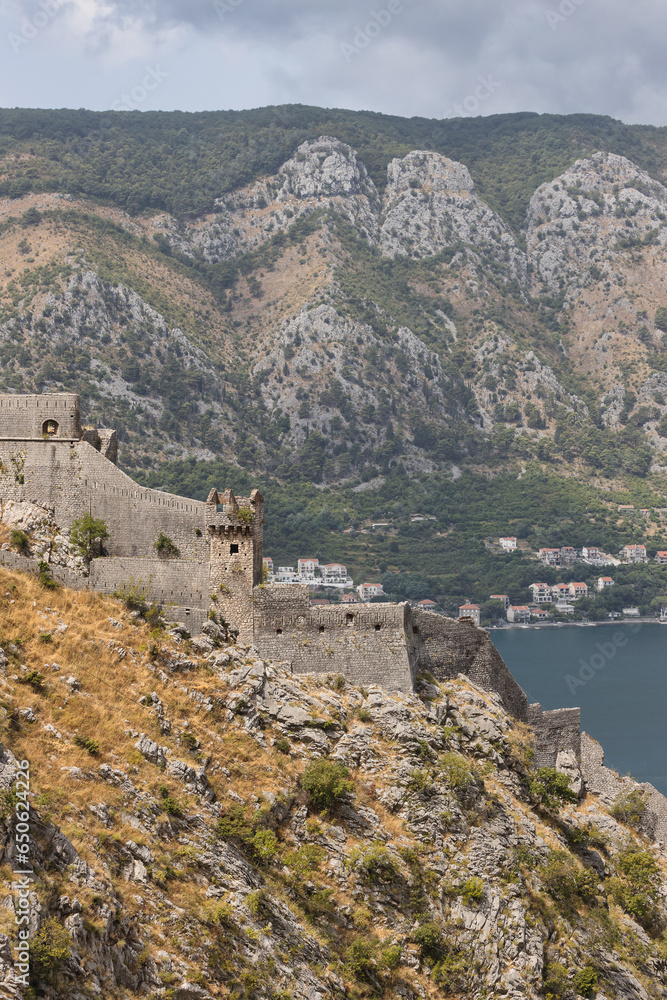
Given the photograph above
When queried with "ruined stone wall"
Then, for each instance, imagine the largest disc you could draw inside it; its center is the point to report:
(25, 416)
(602, 781)
(554, 731)
(447, 648)
(365, 643)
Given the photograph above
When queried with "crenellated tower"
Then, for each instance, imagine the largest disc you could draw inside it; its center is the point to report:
(236, 530)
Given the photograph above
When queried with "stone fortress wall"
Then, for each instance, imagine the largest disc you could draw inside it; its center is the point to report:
(48, 459)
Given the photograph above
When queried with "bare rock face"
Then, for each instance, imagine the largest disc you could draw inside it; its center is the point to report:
(589, 216)
(325, 168)
(431, 205)
(324, 173)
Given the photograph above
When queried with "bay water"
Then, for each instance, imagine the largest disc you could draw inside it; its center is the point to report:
(616, 674)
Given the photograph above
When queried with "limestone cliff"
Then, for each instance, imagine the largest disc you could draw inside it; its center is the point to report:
(185, 846)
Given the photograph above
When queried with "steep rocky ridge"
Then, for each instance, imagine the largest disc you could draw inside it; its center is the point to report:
(187, 332)
(178, 854)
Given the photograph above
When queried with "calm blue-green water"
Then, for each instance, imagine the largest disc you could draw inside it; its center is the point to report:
(617, 675)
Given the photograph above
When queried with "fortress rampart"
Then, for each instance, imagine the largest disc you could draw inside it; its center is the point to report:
(214, 568)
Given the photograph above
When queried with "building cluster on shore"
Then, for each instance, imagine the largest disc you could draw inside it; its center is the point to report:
(325, 575)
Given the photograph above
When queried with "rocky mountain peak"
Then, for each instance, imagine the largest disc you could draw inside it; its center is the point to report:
(600, 206)
(325, 168)
(431, 205)
(429, 171)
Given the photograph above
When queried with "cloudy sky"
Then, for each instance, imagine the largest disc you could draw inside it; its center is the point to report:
(436, 58)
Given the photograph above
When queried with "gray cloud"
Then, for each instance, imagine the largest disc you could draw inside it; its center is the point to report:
(410, 57)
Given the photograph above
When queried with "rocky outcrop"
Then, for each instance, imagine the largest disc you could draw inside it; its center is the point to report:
(580, 224)
(431, 205)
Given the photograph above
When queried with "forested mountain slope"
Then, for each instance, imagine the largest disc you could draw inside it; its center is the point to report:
(465, 292)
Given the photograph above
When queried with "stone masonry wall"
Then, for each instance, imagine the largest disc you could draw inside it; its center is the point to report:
(74, 479)
(554, 731)
(602, 781)
(447, 648)
(170, 582)
(365, 643)
(231, 574)
(25, 416)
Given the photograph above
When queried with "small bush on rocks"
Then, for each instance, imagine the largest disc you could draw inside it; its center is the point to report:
(551, 788)
(20, 541)
(629, 807)
(585, 981)
(326, 783)
(50, 949)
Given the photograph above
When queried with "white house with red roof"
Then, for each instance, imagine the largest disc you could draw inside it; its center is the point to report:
(606, 581)
(661, 557)
(560, 592)
(541, 593)
(634, 553)
(518, 613)
(471, 611)
(578, 590)
(308, 568)
(427, 604)
(367, 591)
(503, 598)
(550, 557)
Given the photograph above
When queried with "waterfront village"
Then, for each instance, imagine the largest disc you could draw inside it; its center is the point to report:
(549, 601)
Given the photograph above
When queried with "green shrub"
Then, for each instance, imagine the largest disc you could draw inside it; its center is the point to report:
(90, 746)
(166, 548)
(50, 949)
(390, 958)
(421, 782)
(452, 972)
(551, 788)
(429, 937)
(637, 888)
(364, 715)
(305, 860)
(133, 593)
(44, 577)
(20, 541)
(472, 890)
(260, 843)
(585, 981)
(282, 745)
(556, 984)
(629, 807)
(378, 865)
(171, 806)
(34, 679)
(88, 535)
(326, 782)
(567, 881)
(661, 318)
(360, 958)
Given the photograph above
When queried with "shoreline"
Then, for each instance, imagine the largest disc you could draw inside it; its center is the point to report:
(533, 625)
